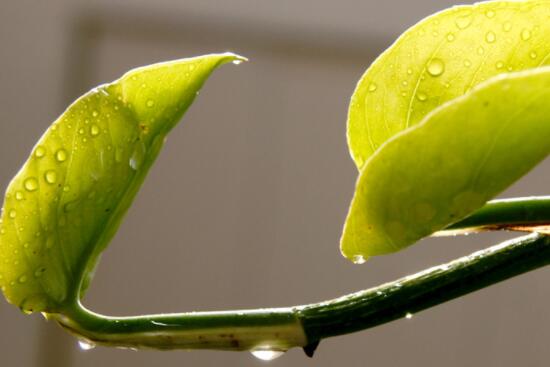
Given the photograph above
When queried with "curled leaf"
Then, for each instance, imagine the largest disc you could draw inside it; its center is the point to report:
(441, 58)
(441, 170)
(66, 202)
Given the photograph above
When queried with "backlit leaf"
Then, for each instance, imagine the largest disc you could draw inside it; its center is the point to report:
(441, 170)
(67, 201)
(441, 58)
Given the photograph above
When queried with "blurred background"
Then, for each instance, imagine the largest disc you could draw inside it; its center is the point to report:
(245, 206)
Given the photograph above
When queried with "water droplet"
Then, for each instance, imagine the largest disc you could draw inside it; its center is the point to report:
(22, 279)
(409, 71)
(358, 259)
(61, 155)
(533, 55)
(409, 316)
(499, 65)
(404, 83)
(450, 37)
(19, 196)
(31, 184)
(480, 50)
(507, 26)
(86, 344)
(421, 97)
(490, 37)
(94, 130)
(490, 13)
(436, 67)
(525, 34)
(40, 152)
(95, 113)
(463, 21)
(50, 176)
(372, 87)
(81, 131)
(467, 63)
(13, 214)
(267, 354)
(150, 103)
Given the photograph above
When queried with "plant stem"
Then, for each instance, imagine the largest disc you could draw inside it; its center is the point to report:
(303, 326)
(521, 214)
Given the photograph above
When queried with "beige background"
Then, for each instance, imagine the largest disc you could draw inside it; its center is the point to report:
(245, 206)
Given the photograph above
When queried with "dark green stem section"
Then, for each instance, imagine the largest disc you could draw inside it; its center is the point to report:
(284, 328)
(426, 289)
(513, 214)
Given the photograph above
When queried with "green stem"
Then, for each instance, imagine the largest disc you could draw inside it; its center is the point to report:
(302, 326)
(513, 214)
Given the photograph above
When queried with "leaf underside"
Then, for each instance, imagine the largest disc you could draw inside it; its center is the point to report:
(408, 189)
(68, 199)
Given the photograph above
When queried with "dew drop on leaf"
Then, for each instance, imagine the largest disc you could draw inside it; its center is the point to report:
(31, 184)
(463, 21)
(150, 103)
(61, 155)
(372, 87)
(40, 152)
(421, 97)
(50, 176)
(436, 67)
(507, 26)
(13, 214)
(94, 130)
(490, 37)
(358, 259)
(525, 34)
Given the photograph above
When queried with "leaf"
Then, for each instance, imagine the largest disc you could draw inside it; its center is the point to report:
(68, 199)
(441, 58)
(441, 170)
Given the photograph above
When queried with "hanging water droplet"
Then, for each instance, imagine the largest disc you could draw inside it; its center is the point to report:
(421, 97)
(490, 13)
(372, 87)
(50, 176)
(13, 214)
(490, 37)
(463, 21)
(436, 67)
(150, 103)
(94, 130)
(40, 152)
(86, 344)
(31, 184)
(525, 34)
(61, 155)
(409, 316)
(358, 259)
(507, 26)
(267, 354)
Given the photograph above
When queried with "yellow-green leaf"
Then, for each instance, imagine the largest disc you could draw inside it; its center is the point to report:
(441, 58)
(461, 155)
(68, 199)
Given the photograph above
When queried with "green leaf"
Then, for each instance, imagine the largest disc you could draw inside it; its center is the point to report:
(441, 58)
(441, 170)
(68, 199)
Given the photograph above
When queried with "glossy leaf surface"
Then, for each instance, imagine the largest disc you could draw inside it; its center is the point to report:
(68, 199)
(441, 170)
(441, 58)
